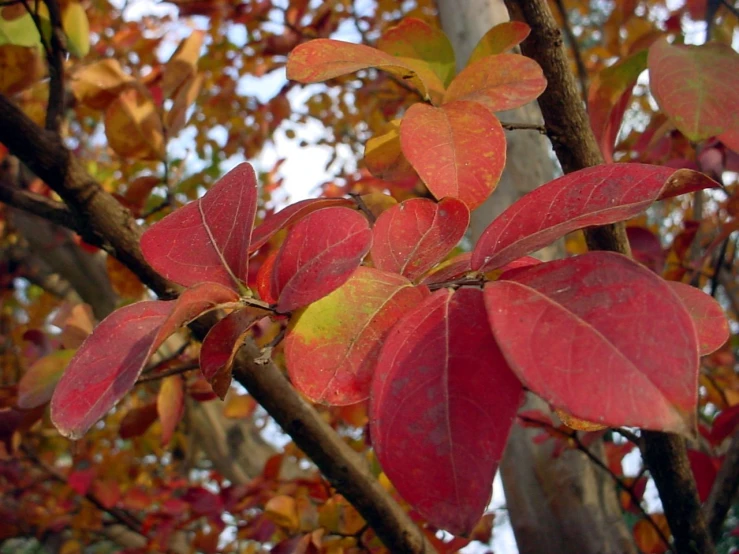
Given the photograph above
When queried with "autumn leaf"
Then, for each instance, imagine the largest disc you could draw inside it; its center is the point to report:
(413, 236)
(208, 239)
(619, 316)
(594, 196)
(170, 405)
(707, 314)
(332, 345)
(319, 254)
(442, 405)
(37, 384)
(458, 149)
(500, 38)
(99, 84)
(133, 126)
(696, 86)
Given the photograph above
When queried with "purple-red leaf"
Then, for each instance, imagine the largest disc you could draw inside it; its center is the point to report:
(501, 82)
(332, 346)
(207, 240)
(708, 316)
(289, 216)
(594, 196)
(110, 360)
(629, 355)
(413, 236)
(319, 254)
(500, 38)
(696, 86)
(458, 149)
(442, 405)
(220, 346)
(451, 269)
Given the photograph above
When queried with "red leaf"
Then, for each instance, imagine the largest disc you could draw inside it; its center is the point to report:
(170, 405)
(452, 269)
(81, 480)
(203, 502)
(724, 424)
(137, 421)
(322, 59)
(458, 149)
(708, 317)
(414, 39)
(704, 471)
(594, 196)
(332, 346)
(629, 355)
(696, 86)
(413, 236)
(207, 240)
(646, 248)
(608, 97)
(500, 38)
(501, 82)
(263, 281)
(110, 360)
(289, 216)
(319, 254)
(442, 405)
(220, 345)
(37, 384)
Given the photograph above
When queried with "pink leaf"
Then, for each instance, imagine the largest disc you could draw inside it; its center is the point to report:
(332, 346)
(501, 82)
(220, 345)
(443, 402)
(110, 360)
(319, 254)
(413, 236)
(458, 149)
(289, 216)
(170, 405)
(696, 86)
(207, 240)
(629, 355)
(594, 196)
(37, 384)
(708, 317)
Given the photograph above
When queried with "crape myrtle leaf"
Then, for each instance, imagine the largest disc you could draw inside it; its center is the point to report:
(20, 67)
(137, 421)
(500, 38)
(593, 196)
(77, 28)
(97, 85)
(708, 316)
(170, 405)
(646, 248)
(319, 254)
(264, 279)
(289, 216)
(332, 346)
(620, 316)
(451, 269)
(384, 157)
(646, 537)
(458, 149)
(608, 97)
(220, 345)
(442, 404)
(133, 126)
(175, 118)
(182, 66)
(416, 40)
(37, 384)
(501, 82)
(413, 236)
(110, 360)
(208, 239)
(322, 59)
(696, 86)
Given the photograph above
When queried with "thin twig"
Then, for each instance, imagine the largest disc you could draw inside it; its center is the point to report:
(582, 72)
(524, 127)
(362, 206)
(167, 373)
(49, 209)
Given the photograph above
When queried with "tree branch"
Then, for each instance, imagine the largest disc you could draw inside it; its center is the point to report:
(55, 58)
(113, 225)
(36, 204)
(724, 489)
(341, 465)
(576, 148)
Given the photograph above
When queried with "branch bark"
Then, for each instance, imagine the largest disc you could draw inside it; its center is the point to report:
(724, 489)
(576, 148)
(112, 225)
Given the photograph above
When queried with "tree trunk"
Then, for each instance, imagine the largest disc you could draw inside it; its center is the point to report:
(556, 505)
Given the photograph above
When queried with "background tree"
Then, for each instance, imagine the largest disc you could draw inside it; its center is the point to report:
(151, 126)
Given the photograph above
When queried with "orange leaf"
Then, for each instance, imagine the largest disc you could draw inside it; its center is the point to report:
(170, 405)
(133, 127)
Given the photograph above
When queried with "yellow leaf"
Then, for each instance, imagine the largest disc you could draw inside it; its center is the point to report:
(17, 26)
(578, 424)
(283, 511)
(99, 84)
(123, 280)
(239, 406)
(133, 126)
(77, 28)
(20, 67)
(176, 117)
(182, 66)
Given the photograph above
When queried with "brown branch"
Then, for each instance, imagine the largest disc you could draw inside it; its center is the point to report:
(564, 115)
(582, 72)
(724, 489)
(167, 373)
(101, 219)
(55, 58)
(341, 465)
(105, 219)
(56, 212)
(524, 127)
